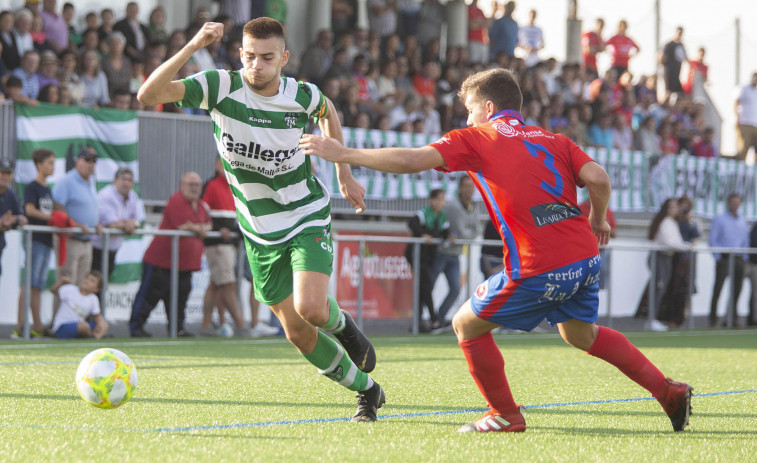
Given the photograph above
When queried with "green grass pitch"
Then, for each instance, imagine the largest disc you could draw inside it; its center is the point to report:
(258, 400)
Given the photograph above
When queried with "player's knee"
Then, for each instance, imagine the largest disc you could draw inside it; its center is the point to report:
(313, 313)
(301, 337)
(84, 330)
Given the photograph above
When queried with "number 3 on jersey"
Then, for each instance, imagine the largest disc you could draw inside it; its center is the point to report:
(549, 162)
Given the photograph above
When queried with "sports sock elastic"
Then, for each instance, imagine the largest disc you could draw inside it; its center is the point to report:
(614, 348)
(331, 361)
(487, 367)
(336, 318)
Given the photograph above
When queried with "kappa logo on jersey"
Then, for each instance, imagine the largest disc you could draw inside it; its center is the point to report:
(258, 120)
(290, 119)
(482, 290)
(255, 151)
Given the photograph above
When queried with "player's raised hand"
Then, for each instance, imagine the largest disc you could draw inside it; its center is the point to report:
(209, 33)
(324, 147)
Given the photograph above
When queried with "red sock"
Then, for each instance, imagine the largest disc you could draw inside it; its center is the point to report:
(614, 348)
(487, 367)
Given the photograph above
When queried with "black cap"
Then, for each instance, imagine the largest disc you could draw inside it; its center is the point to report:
(88, 153)
(6, 165)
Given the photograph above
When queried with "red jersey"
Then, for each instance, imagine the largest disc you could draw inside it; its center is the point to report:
(527, 177)
(621, 49)
(480, 34)
(590, 40)
(178, 211)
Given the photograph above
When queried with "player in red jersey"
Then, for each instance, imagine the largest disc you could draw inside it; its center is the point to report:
(528, 178)
(591, 44)
(623, 48)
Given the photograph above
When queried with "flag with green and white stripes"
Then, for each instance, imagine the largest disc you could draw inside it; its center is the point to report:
(66, 130)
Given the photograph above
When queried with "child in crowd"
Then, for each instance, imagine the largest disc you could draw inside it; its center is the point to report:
(79, 313)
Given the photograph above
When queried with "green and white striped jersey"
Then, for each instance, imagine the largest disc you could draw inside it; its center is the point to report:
(275, 191)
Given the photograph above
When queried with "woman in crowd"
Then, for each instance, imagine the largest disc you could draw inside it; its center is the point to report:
(115, 64)
(663, 231)
(68, 76)
(676, 301)
(93, 80)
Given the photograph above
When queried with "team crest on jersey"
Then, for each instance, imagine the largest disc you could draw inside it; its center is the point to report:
(482, 290)
(505, 129)
(290, 119)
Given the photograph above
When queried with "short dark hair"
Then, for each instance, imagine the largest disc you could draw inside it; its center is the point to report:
(264, 28)
(496, 85)
(435, 193)
(68, 5)
(41, 154)
(97, 274)
(13, 82)
(123, 170)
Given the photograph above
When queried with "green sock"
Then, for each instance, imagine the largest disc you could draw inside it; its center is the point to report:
(336, 318)
(331, 361)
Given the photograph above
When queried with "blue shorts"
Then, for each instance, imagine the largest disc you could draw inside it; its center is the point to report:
(559, 295)
(69, 330)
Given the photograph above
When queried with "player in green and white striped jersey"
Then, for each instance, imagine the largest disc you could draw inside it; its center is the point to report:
(283, 209)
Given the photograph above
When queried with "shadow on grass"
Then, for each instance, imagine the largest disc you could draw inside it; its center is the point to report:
(695, 414)
(348, 404)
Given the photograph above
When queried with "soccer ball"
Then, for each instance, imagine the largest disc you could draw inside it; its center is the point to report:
(106, 378)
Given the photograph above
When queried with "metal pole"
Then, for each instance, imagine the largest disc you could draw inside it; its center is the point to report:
(656, 33)
(731, 303)
(105, 265)
(652, 309)
(416, 285)
(469, 272)
(28, 284)
(689, 296)
(360, 276)
(241, 255)
(737, 31)
(174, 298)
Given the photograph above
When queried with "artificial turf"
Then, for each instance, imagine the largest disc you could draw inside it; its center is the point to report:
(258, 400)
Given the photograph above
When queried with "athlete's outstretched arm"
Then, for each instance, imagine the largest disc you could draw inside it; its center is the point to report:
(598, 182)
(160, 87)
(350, 188)
(397, 160)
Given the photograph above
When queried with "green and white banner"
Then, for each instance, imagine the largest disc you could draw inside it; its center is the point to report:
(643, 183)
(66, 130)
(639, 182)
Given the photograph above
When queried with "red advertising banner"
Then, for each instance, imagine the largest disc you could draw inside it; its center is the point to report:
(387, 278)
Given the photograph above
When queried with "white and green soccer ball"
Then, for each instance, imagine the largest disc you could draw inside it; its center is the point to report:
(106, 378)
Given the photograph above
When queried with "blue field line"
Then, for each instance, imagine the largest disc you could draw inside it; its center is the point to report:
(262, 424)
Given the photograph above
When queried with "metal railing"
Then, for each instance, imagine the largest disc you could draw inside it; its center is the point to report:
(172, 309)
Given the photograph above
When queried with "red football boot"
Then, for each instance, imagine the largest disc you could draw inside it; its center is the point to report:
(677, 403)
(494, 421)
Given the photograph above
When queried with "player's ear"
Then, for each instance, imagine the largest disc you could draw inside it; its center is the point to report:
(284, 58)
(490, 109)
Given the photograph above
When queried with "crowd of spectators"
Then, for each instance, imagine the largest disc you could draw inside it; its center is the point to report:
(393, 76)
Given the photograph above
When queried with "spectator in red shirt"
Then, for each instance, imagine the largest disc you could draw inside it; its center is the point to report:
(697, 68)
(425, 81)
(591, 44)
(704, 147)
(478, 34)
(623, 48)
(184, 211)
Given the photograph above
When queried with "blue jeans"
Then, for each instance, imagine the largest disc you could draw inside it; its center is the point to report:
(40, 264)
(450, 266)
